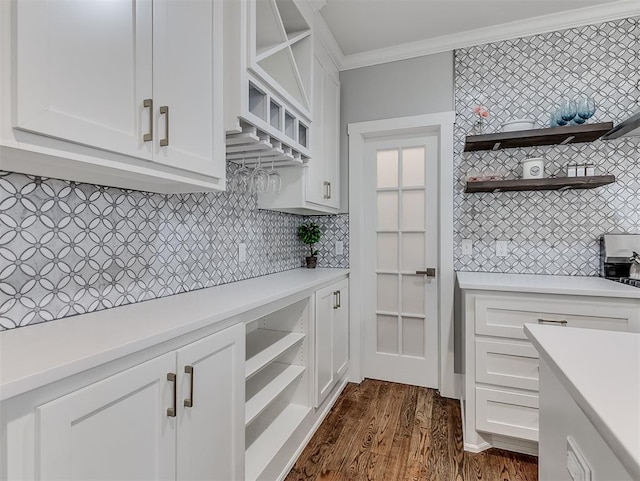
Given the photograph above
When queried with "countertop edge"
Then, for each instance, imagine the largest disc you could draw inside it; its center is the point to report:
(39, 379)
(614, 290)
(627, 458)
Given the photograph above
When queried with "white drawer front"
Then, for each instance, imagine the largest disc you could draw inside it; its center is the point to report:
(505, 317)
(507, 413)
(511, 364)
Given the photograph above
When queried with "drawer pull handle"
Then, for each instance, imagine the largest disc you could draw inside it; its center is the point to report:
(551, 321)
(171, 377)
(188, 403)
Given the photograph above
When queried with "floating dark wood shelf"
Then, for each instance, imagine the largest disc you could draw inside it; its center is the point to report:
(569, 134)
(555, 183)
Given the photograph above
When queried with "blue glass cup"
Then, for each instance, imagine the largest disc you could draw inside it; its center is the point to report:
(585, 108)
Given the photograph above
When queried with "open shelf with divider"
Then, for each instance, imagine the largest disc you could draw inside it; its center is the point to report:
(278, 384)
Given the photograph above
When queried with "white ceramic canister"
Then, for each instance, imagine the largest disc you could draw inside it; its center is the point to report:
(533, 168)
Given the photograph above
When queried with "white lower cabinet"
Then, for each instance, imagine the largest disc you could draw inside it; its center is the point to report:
(218, 404)
(331, 338)
(178, 413)
(115, 429)
(501, 367)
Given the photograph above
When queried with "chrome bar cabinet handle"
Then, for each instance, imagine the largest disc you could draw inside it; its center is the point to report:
(148, 104)
(562, 322)
(188, 403)
(164, 110)
(171, 377)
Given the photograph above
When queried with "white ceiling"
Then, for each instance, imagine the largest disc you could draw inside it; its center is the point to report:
(362, 26)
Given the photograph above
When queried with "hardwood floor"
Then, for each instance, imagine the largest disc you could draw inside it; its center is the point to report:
(394, 432)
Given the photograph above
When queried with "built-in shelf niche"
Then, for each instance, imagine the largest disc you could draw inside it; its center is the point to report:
(277, 383)
(275, 115)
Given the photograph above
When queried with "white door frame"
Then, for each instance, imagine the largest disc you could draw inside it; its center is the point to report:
(442, 124)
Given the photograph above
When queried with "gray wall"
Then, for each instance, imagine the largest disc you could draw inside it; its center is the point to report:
(396, 89)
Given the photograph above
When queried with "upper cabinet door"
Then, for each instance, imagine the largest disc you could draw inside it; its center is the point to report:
(187, 76)
(115, 429)
(84, 71)
(331, 136)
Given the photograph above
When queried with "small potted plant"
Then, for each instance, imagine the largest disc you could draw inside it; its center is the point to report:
(310, 234)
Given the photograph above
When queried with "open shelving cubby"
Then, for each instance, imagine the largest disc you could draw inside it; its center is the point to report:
(278, 386)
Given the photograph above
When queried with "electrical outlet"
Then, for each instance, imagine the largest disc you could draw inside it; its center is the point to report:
(467, 247)
(242, 253)
(502, 248)
(339, 248)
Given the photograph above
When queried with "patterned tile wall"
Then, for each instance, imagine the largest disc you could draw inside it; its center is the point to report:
(548, 232)
(69, 248)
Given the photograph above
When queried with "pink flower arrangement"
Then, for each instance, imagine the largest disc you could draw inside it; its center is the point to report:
(481, 112)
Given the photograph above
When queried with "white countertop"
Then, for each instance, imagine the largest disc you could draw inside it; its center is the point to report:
(606, 386)
(34, 356)
(546, 284)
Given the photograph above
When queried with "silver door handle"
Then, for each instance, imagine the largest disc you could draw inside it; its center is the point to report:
(327, 194)
(171, 377)
(148, 104)
(188, 403)
(164, 110)
(429, 272)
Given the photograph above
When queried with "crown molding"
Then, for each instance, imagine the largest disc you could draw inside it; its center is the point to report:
(497, 33)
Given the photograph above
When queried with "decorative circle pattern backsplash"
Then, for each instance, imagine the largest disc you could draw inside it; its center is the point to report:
(548, 232)
(69, 248)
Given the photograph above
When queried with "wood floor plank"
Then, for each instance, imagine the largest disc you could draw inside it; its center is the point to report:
(380, 431)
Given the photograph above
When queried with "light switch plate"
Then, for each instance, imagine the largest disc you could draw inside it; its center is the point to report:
(242, 253)
(467, 247)
(339, 248)
(502, 248)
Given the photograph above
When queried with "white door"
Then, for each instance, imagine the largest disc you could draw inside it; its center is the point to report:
(401, 320)
(187, 83)
(211, 407)
(115, 429)
(84, 72)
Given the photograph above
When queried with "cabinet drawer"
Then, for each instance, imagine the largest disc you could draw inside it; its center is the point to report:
(511, 364)
(507, 413)
(506, 316)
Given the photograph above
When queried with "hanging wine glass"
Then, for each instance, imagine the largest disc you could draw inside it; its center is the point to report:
(585, 108)
(259, 178)
(243, 178)
(274, 181)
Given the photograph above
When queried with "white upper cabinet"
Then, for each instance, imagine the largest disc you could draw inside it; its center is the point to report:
(187, 85)
(315, 188)
(124, 93)
(268, 63)
(84, 71)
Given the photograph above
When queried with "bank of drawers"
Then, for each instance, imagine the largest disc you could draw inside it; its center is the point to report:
(506, 364)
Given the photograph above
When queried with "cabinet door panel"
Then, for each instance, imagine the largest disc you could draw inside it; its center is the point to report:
(324, 369)
(115, 429)
(341, 332)
(187, 76)
(330, 135)
(211, 430)
(315, 170)
(84, 70)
